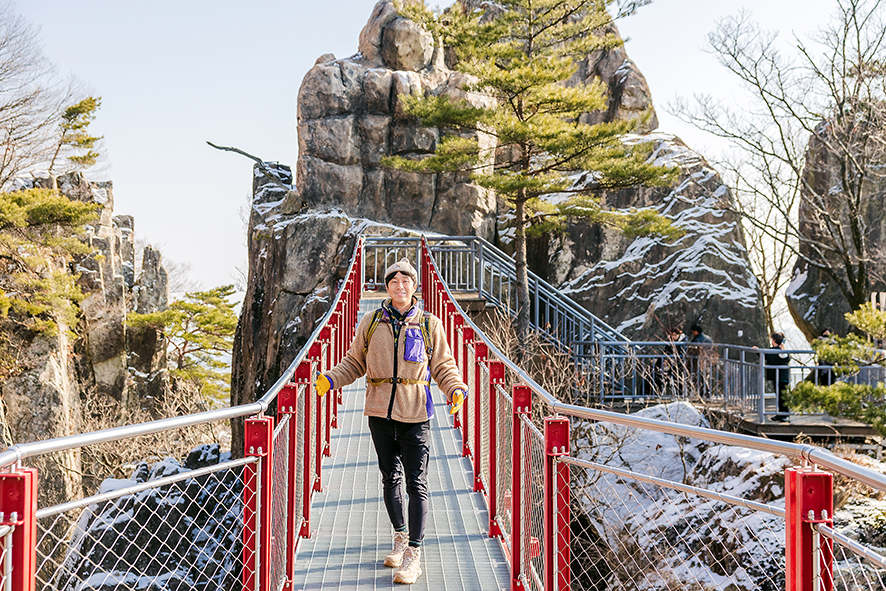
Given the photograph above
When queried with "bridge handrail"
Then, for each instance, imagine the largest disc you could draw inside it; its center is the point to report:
(804, 452)
(17, 452)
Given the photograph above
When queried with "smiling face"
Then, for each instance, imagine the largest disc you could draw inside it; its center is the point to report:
(401, 288)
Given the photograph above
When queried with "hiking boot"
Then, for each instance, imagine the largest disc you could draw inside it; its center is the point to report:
(395, 558)
(410, 570)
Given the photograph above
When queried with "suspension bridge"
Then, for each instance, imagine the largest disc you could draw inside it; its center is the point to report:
(526, 492)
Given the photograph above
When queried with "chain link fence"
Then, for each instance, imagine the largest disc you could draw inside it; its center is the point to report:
(6, 556)
(171, 527)
(856, 567)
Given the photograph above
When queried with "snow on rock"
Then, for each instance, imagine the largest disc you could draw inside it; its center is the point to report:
(674, 538)
(185, 535)
(704, 276)
(631, 535)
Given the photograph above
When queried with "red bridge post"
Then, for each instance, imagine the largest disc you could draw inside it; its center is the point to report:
(522, 397)
(481, 351)
(287, 404)
(303, 376)
(18, 508)
(257, 504)
(809, 499)
(496, 378)
(315, 354)
(557, 560)
(467, 339)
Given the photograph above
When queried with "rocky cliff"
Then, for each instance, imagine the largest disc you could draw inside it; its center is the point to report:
(814, 298)
(644, 287)
(61, 379)
(350, 117)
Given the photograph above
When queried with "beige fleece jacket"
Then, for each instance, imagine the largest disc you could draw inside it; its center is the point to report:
(411, 402)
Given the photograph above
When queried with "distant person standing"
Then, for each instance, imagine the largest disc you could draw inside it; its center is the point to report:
(777, 371)
(673, 364)
(700, 355)
(698, 335)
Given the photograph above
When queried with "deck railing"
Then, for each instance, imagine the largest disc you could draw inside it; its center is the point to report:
(571, 514)
(225, 524)
(571, 505)
(733, 377)
(471, 264)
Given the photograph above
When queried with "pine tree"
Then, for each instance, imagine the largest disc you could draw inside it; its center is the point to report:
(38, 229)
(520, 55)
(199, 329)
(73, 137)
(845, 357)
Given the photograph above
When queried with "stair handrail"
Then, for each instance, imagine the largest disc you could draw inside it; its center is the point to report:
(489, 252)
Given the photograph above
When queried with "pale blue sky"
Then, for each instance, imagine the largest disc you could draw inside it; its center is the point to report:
(174, 74)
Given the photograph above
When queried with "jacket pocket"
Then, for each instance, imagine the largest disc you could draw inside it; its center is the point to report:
(414, 346)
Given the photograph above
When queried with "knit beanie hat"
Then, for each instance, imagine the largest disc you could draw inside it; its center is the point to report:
(401, 266)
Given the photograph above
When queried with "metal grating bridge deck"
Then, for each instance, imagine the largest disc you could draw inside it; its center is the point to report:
(350, 530)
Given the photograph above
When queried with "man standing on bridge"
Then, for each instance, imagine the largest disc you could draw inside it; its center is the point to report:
(400, 348)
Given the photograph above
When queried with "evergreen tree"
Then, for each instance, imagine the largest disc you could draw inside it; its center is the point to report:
(73, 137)
(38, 229)
(848, 355)
(199, 330)
(519, 54)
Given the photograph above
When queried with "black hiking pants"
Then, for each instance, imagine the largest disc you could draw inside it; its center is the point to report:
(403, 450)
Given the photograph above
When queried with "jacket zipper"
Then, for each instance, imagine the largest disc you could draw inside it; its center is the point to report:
(396, 335)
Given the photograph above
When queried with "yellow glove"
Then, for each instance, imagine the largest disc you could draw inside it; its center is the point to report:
(458, 400)
(322, 384)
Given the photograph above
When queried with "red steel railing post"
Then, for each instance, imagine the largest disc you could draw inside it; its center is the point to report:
(18, 507)
(315, 354)
(257, 506)
(496, 379)
(303, 375)
(557, 559)
(522, 397)
(335, 345)
(457, 323)
(481, 351)
(287, 404)
(467, 339)
(809, 499)
(324, 426)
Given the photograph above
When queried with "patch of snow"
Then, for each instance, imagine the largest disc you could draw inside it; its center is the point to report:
(797, 281)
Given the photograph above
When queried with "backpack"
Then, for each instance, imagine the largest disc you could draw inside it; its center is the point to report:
(424, 325)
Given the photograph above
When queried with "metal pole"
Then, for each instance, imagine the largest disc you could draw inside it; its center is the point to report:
(18, 506)
(481, 351)
(287, 404)
(522, 400)
(303, 376)
(258, 442)
(557, 559)
(809, 493)
(761, 383)
(467, 339)
(496, 378)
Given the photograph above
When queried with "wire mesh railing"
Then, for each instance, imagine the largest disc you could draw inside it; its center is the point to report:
(727, 376)
(647, 502)
(6, 556)
(213, 523)
(855, 567)
(184, 529)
